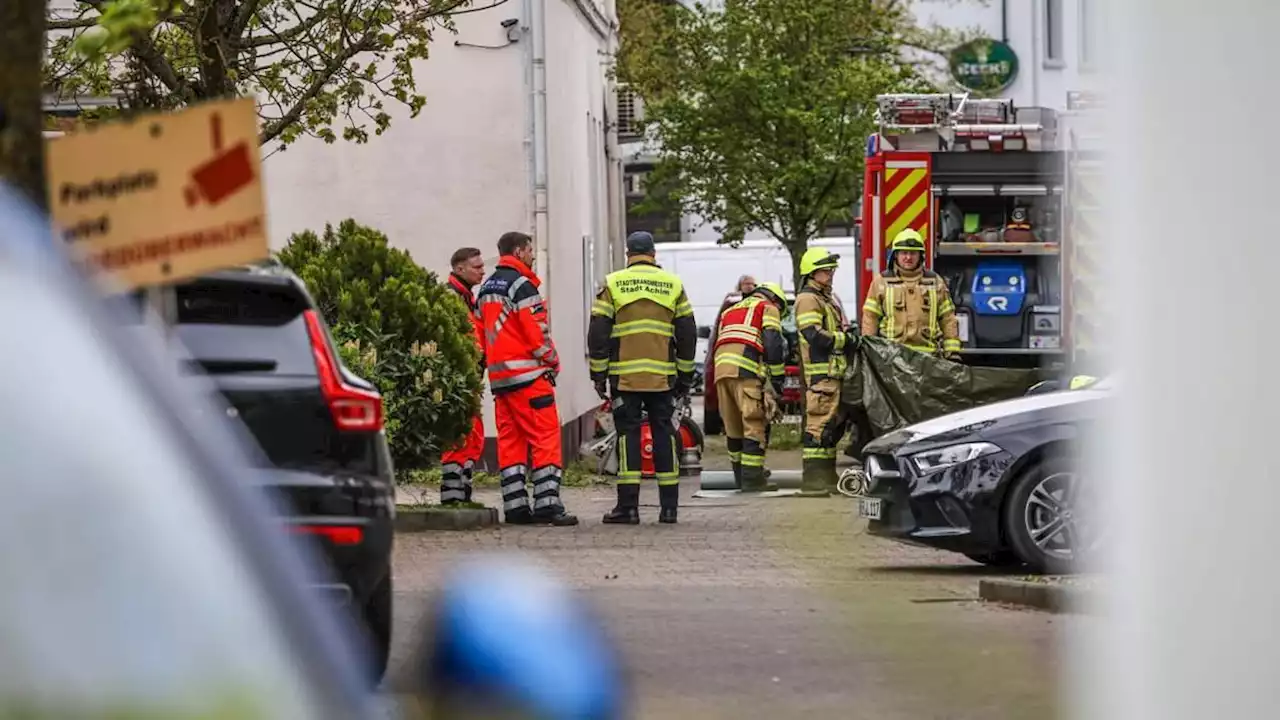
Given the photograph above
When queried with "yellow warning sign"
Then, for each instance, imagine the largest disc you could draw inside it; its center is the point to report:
(163, 197)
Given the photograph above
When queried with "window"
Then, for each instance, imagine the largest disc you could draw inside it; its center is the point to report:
(1088, 35)
(1053, 33)
(630, 113)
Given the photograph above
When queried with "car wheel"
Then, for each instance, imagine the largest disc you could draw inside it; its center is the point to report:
(999, 559)
(377, 623)
(1042, 517)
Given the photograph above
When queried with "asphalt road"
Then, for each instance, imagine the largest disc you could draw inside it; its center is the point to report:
(768, 608)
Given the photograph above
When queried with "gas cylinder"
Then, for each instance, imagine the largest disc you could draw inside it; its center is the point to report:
(646, 451)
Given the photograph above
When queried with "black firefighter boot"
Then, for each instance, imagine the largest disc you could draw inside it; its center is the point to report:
(627, 511)
(668, 500)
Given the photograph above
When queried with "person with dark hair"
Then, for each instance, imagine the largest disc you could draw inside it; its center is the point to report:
(457, 464)
(523, 365)
(641, 341)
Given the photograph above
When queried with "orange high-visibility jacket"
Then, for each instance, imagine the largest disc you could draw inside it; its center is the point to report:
(513, 316)
(469, 299)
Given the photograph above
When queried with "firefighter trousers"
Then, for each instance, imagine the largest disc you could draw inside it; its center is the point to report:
(457, 464)
(629, 411)
(746, 429)
(825, 423)
(529, 436)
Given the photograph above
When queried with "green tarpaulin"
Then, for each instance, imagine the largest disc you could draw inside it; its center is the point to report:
(896, 386)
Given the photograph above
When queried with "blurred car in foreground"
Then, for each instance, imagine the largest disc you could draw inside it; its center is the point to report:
(998, 483)
(144, 578)
(258, 335)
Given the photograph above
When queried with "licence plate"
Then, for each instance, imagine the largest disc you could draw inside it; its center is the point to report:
(869, 508)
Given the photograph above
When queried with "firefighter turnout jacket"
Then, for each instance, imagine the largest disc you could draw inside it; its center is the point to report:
(642, 333)
(750, 343)
(517, 340)
(914, 309)
(823, 340)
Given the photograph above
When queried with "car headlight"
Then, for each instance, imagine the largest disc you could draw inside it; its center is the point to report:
(934, 460)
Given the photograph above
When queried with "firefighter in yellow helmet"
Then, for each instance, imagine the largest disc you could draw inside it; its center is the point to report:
(910, 305)
(824, 343)
(750, 364)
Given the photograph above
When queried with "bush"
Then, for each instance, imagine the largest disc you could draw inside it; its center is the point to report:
(399, 327)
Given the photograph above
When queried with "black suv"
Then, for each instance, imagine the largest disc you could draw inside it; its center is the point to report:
(257, 334)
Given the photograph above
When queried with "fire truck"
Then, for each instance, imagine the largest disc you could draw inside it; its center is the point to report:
(984, 183)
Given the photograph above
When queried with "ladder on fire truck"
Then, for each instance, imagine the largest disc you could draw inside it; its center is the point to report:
(944, 122)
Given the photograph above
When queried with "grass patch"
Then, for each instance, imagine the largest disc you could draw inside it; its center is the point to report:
(785, 437)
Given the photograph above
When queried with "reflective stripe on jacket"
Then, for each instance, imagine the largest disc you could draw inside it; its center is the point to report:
(915, 310)
(469, 299)
(749, 342)
(517, 339)
(820, 322)
(642, 330)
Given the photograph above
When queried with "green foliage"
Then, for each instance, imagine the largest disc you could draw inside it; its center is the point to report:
(324, 68)
(398, 327)
(762, 111)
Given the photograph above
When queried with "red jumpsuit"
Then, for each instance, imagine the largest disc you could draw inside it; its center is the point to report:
(458, 463)
(522, 364)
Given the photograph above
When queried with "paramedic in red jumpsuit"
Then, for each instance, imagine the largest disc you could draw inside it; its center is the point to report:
(523, 364)
(457, 464)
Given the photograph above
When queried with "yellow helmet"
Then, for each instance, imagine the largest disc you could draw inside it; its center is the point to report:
(779, 296)
(908, 240)
(818, 259)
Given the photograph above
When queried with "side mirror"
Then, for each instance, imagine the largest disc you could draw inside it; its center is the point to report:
(508, 640)
(704, 331)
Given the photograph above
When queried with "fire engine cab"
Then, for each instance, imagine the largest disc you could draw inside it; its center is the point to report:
(982, 181)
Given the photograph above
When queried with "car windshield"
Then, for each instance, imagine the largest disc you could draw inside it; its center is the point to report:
(125, 593)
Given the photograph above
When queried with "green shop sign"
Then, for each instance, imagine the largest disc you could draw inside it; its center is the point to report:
(984, 66)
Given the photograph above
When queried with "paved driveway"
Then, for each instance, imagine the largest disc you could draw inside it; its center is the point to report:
(770, 608)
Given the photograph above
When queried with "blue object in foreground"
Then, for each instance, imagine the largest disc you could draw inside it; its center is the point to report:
(508, 630)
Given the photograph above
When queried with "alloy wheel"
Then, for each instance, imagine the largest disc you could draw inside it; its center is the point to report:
(1055, 518)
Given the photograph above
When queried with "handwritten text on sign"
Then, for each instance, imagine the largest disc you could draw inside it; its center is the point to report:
(165, 197)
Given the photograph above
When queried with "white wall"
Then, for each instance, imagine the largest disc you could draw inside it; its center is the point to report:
(1041, 82)
(453, 176)
(459, 174)
(577, 203)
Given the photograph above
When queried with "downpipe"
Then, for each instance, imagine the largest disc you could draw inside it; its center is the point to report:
(538, 69)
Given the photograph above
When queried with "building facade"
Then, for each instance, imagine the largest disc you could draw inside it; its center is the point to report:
(518, 133)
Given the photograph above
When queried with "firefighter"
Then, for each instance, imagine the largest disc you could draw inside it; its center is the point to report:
(457, 464)
(750, 365)
(522, 363)
(910, 305)
(824, 343)
(641, 342)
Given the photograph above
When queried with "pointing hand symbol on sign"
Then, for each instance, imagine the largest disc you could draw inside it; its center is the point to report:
(220, 178)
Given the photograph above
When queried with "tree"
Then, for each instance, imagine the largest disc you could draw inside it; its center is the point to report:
(398, 327)
(324, 68)
(762, 111)
(21, 141)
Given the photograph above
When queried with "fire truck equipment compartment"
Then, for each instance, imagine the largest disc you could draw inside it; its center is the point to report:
(998, 289)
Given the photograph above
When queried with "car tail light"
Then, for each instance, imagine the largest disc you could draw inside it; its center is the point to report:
(353, 408)
(336, 534)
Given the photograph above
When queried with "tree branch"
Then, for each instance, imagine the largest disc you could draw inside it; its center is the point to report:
(77, 24)
(272, 129)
